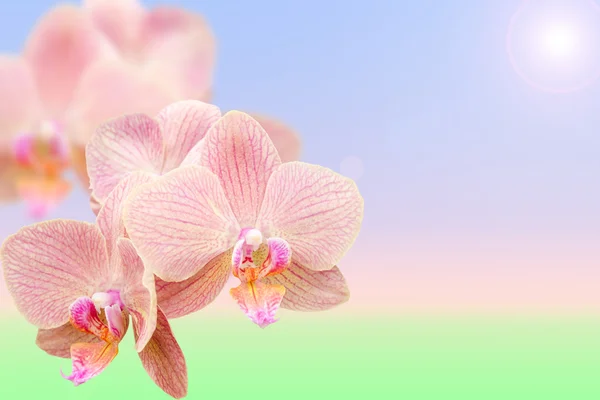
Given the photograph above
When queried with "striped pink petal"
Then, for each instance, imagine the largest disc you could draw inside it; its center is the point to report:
(178, 45)
(121, 146)
(308, 290)
(49, 265)
(58, 341)
(110, 216)
(184, 124)
(318, 212)
(138, 294)
(61, 47)
(163, 359)
(286, 141)
(177, 299)
(238, 150)
(180, 222)
(259, 301)
(90, 359)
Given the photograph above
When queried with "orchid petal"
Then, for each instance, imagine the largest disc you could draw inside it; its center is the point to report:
(18, 85)
(139, 295)
(49, 265)
(184, 124)
(119, 20)
(60, 48)
(42, 194)
(110, 216)
(308, 290)
(110, 89)
(177, 299)
(180, 46)
(8, 187)
(163, 359)
(121, 146)
(238, 150)
(194, 156)
(286, 141)
(58, 341)
(90, 359)
(180, 222)
(280, 256)
(316, 210)
(259, 301)
(85, 317)
(95, 204)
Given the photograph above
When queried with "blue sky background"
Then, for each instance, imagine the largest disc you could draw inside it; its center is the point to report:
(456, 147)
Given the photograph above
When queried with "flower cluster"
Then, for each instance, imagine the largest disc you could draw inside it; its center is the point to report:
(184, 200)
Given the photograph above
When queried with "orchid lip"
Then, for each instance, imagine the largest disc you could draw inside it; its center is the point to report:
(105, 299)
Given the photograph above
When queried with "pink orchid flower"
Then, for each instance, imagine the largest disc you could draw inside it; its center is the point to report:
(172, 139)
(79, 283)
(68, 79)
(280, 228)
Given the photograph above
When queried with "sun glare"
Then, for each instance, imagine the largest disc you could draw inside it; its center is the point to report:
(554, 45)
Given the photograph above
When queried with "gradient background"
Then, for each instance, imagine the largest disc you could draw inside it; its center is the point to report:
(475, 275)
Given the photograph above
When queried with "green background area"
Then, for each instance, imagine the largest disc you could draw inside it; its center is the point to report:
(332, 356)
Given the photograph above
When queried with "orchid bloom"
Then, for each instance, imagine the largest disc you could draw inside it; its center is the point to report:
(280, 228)
(79, 283)
(68, 79)
(137, 142)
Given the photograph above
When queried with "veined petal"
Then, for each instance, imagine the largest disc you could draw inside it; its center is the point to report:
(139, 294)
(180, 222)
(110, 216)
(194, 156)
(110, 89)
(120, 20)
(58, 341)
(49, 265)
(62, 45)
(163, 359)
(121, 146)
(90, 359)
(184, 124)
(286, 141)
(238, 150)
(259, 301)
(180, 46)
(308, 290)
(18, 85)
(177, 299)
(318, 212)
(84, 316)
(95, 204)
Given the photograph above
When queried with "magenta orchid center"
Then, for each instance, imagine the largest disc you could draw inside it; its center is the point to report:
(103, 316)
(253, 260)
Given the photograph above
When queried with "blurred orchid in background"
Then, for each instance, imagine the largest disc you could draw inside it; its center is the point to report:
(281, 228)
(79, 283)
(84, 65)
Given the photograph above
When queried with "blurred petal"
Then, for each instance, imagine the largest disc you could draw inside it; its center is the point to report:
(121, 146)
(184, 124)
(62, 45)
(139, 295)
(180, 222)
(177, 299)
(286, 141)
(49, 265)
(18, 85)
(163, 360)
(110, 216)
(308, 290)
(79, 166)
(112, 89)
(42, 194)
(179, 46)
(120, 20)
(90, 359)
(58, 341)
(8, 170)
(318, 212)
(240, 153)
(259, 301)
